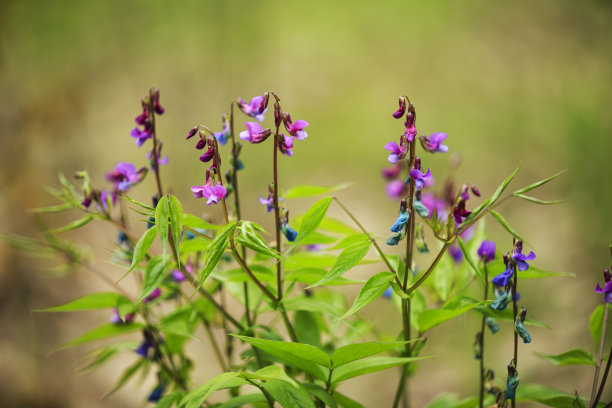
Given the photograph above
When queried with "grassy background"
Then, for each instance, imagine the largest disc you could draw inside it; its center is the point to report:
(506, 81)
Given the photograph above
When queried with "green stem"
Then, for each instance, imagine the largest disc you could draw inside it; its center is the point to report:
(430, 270)
(288, 325)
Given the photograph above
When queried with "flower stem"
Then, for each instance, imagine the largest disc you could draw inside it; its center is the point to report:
(603, 379)
(155, 159)
(482, 335)
(279, 277)
(594, 400)
(515, 313)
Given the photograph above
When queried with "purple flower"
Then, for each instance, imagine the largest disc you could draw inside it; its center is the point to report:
(124, 175)
(268, 202)
(161, 162)
(140, 135)
(314, 247)
(455, 253)
(116, 319)
(411, 132)
(420, 179)
(157, 393)
(154, 295)
(208, 155)
(521, 259)
(397, 152)
(607, 289)
(501, 280)
(430, 201)
(145, 346)
(256, 108)
(289, 232)
(286, 145)
(396, 189)
(213, 194)
(388, 293)
(392, 172)
(402, 108)
(225, 133)
(107, 197)
(433, 143)
(487, 251)
(296, 129)
(254, 133)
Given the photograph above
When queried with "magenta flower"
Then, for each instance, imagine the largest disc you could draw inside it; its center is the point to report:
(392, 172)
(208, 155)
(254, 133)
(455, 253)
(607, 289)
(430, 201)
(141, 136)
(397, 152)
(124, 176)
(162, 162)
(213, 194)
(116, 319)
(296, 129)
(420, 178)
(433, 143)
(396, 189)
(411, 132)
(487, 251)
(286, 145)
(256, 108)
(402, 108)
(154, 295)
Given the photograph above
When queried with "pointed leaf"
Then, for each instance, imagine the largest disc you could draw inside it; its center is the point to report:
(433, 317)
(154, 275)
(73, 225)
(138, 203)
(243, 400)
(168, 400)
(576, 356)
(544, 395)
(127, 374)
(195, 398)
(373, 289)
(503, 185)
(191, 221)
(288, 395)
(142, 247)
(538, 183)
(369, 365)
(475, 213)
(596, 323)
(161, 222)
(312, 219)
(103, 332)
(353, 352)
(346, 402)
(215, 250)
(505, 224)
(537, 200)
(51, 208)
(321, 394)
(103, 300)
(308, 190)
(349, 257)
(175, 211)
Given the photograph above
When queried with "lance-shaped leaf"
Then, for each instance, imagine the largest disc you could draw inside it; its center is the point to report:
(507, 316)
(321, 394)
(470, 261)
(547, 396)
(369, 365)
(138, 203)
(348, 258)
(103, 332)
(73, 225)
(373, 289)
(168, 400)
(537, 200)
(503, 185)
(103, 300)
(312, 219)
(496, 267)
(474, 213)
(191, 221)
(308, 190)
(51, 208)
(195, 398)
(242, 400)
(596, 323)
(154, 275)
(127, 374)
(175, 211)
(142, 247)
(251, 239)
(353, 352)
(576, 356)
(302, 356)
(161, 222)
(346, 402)
(215, 251)
(506, 226)
(428, 319)
(288, 395)
(538, 183)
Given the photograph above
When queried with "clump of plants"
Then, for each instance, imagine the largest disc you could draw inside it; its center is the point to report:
(296, 339)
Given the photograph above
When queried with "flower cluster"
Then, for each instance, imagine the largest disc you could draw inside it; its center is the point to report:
(150, 105)
(211, 191)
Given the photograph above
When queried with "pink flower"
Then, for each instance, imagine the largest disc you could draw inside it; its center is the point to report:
(213, 194)
(296, 129)
(254, 133)
(433, 143)
(397, 152)
(256, 108)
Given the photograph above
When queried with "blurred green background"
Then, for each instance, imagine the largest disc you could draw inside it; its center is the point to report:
(506, 80)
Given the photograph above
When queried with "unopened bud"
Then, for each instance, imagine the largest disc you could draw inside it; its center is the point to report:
(475, 191)
(192, 132)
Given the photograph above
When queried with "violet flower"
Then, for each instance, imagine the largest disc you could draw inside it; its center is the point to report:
(486, 251)
(521, 258)
(213, 194)
(433, 143)
(420, 179)
(254, 133)
(411, 132)
(396, 189)
(296, 129)
(225, 133)
(392, 172)
(432, 203)
(145, 346)
(153, 295)
(607, 289)
(286, 145)
(157, 393)
(455, 253)
(387, 293)
(502, 279)
(141, 136)
(106, 198)
(268, 202)
(256, 108)
(116, 319)
(397, 152)
(161, 162)
(402, 108)
(208, 155)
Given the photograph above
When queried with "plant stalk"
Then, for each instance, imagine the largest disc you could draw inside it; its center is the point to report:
(594, 400)
(482, 335)
(515, 313)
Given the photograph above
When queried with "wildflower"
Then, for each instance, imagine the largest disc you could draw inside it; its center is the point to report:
(402, 108)
(396, 189)
(607, 289)
(521, 260)
(388, 293)
(420, 178)
(402, 218)
(460, 213)
(392, 172)
(492, 324)
(107, 198)
(397, 152)
(296, 129)
(254, 133)
(225, 133)
(512, 382)
(314, 247)
(116, 318)
(289, 232)
(268, 202)
(145, 346)
(433, 143)
(192, 132)
(455, 253)
(153, 295)
(157, 393)
(213, 194)
(141, 135)
(501, 301)
(502, 279)
(285, 144)
(394, 238)
(155, 99)
(161, 162)
(519, 326)
(256, 108)
(420, 208)
(433, 203)
(486, 251)
(208, 155)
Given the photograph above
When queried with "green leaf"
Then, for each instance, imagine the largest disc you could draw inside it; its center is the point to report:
(196, 244)
(168, 400)
(51, 208)
(271, 372)
(73, 225)
(216, 249)
(475, 213)
(251, 239)
(537, 200)
(333, 225)
(191, 221)
(195, 398)
(506, 315)
(161, 221)
(243, 400)
(497, 267)
(311, 304)
(303, 356)
(127, 374)
(288, 395)
(103, 300)
(346, 402)
(308, 190)
(576, 356)
(505, 224)
(442, 277)
(373, 289)
(176, 221)
(433, 317)
(349, 257)
(596, 323)
(154, 275)
(468, 257)
(369, 365)
(306, 328)
(503, 185)
(103, 332)
(310, 276)
(353, 352)
(312, 219)
(350, 240)
(418, 304)
(538, 183)
(544, 395)
(138, 203)
(142, 247)
(321, 394)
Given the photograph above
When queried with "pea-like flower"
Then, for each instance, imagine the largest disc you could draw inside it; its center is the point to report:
(124, 175)
(285, 144)
(288, 232)
(394, 238)
(455, 252)
(396, 189)
(296, 129)
(397, 152)
(607, 289)
(519, 326)
(420, 178)
(402, 108)
(141, 135)
(486, 251)
(212, 193)
(254, 133)
(501, 280)
(433, 143)
(157, 393)
(154, 295)
(116, 318)
(401, 220)
(256, 108)
(521, 259)
(225, 133)
(501, 300)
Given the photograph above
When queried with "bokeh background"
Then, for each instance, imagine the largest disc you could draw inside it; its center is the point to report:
(506, 80)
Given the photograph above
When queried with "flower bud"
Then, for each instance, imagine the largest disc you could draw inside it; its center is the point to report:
(402, 108)
(475, 191)
(192, 132)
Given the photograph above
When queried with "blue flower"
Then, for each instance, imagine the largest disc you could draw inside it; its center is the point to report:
(401, 220)
(157, 393)
(502, 278)
(487, 251)
(289, 232)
